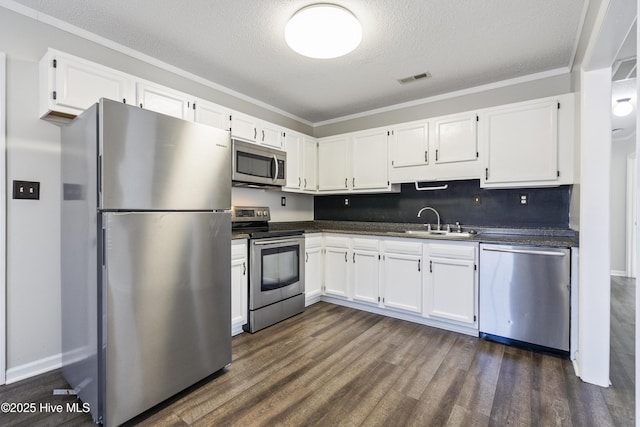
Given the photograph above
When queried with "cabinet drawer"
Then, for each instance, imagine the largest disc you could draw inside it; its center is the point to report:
(313, 240)
(239, 249)
(452, 250)
(404, 246)
(336, 241)
(365, 244)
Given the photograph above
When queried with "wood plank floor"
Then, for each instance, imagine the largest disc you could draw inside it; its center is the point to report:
(337, 366)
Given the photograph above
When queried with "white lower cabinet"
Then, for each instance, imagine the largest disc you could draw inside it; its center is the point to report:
(425, 281)
(239, 285)
(451, 282)
(313, 268)
(336, 266)
(365, 257)
(402, 275)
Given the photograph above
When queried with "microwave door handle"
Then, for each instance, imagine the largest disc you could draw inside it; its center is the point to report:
(275, 161)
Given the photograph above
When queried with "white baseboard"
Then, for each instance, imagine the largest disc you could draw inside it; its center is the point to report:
(34, 368)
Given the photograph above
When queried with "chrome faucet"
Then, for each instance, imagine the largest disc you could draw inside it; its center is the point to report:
(434, 211)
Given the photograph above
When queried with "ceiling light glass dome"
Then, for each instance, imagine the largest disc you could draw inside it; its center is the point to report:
(323, 31)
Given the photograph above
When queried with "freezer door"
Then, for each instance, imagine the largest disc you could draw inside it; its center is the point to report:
(150, 161)
(167, 305)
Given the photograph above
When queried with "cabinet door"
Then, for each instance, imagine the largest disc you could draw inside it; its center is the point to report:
(455, 138)
(310, 164)
(293, 147)
(402, 280)
(450, 290)
(164, 100)
(369, 160)
(78, 84)
(244, 127)
(410, 145)
(313, 273)
(270, 135)
(336, 272)
(365, 276)
(239, 286)
(333, 164)
(212, 114)
(522, 143)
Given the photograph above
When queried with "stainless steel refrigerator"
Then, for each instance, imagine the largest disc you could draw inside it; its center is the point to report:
(146, 257)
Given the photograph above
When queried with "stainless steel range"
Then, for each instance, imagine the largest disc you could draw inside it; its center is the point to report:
(276, 268)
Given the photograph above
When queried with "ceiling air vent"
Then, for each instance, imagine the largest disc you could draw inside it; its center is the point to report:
(415, 78)
(625, 69)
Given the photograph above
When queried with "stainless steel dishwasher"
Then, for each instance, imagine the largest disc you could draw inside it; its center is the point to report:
(525, 296)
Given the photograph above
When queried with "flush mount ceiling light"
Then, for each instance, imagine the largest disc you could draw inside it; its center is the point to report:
(323, 31)
(623, 107)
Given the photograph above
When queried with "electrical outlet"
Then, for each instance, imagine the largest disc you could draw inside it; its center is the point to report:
(283, 201)
(524, 199)
(477, 200)
(29, 190)
(346, 201)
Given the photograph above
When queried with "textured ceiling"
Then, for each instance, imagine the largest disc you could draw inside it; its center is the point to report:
(240, 44)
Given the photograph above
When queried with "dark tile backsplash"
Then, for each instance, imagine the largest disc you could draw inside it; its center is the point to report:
(547, 207)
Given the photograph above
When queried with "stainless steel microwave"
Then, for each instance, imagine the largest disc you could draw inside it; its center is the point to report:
(257, 166)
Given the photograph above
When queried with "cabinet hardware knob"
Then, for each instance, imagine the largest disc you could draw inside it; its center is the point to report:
(255, 133)
(244, 268)
(353, 182)
(430, 266)
(298, 181)
(306, 256)
(418, 265)
(345, 183)
(305, 183)
(354, 257)
(345, 257)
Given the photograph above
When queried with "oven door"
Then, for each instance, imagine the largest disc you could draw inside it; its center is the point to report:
(255, 164)
(277, 270)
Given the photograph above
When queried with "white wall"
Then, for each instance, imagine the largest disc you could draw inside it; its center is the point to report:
(299, 207)
(33, 228)
(620, 151)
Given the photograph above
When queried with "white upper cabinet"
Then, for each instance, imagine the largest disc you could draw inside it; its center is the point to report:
(164, 100)
(333, 161)
(455, 138)
(528, 143)
(354, 162)
(244, 126)
(69, 85)
(248, 128)
(293, 147)
(212, 114)
(409, 144)
(309, 164)
(302, 160)
(271, 135)
(369, 163)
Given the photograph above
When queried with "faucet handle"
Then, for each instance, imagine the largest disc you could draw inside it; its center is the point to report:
(458, 227)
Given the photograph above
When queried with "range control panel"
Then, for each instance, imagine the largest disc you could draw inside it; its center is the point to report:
(250, 214)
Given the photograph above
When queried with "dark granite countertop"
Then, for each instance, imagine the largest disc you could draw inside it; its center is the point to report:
(535, 236)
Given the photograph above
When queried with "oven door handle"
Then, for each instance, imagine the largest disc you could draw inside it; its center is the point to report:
(274, 242)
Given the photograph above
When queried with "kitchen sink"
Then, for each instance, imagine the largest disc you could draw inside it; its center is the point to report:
(442, 233)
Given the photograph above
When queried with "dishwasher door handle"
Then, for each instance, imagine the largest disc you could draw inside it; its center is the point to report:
(525, 251)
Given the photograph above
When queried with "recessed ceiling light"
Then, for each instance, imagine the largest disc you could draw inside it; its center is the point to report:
(623, 107)
(323, 31)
